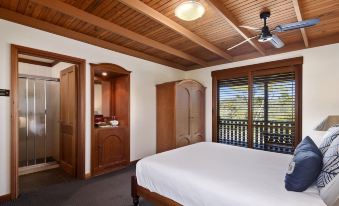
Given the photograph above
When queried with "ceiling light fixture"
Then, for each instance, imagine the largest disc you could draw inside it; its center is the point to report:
(189, 10)
(104, 74)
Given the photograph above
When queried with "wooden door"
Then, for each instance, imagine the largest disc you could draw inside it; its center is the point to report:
(68, 123)
(197, 112)
(182, 107)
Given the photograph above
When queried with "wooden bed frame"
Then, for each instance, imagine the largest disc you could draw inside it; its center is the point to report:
(139, 191)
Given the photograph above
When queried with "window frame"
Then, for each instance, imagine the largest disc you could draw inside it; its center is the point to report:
(286, 65)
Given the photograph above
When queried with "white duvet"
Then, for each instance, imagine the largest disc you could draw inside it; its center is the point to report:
(215, 174)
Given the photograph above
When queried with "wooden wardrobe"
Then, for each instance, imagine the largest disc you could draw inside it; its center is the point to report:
(180, 114)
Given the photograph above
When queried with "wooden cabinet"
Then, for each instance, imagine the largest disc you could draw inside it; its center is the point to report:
(180, 114)
(110, 147)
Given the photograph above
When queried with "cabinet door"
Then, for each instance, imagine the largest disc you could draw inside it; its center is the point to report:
(182, 115)
(197, 113)
(111, 148)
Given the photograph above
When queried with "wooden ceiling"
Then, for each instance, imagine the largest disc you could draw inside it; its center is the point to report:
(148, 29)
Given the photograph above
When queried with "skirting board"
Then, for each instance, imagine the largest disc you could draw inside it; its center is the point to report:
(88, 175)
(4, 198)
(37, 168)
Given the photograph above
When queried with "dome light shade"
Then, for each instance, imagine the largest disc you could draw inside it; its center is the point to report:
(189, 10)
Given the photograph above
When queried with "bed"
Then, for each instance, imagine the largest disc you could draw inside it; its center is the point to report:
(217, 174)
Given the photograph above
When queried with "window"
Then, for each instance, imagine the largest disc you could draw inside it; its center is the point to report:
(258, 107)
(233, 111)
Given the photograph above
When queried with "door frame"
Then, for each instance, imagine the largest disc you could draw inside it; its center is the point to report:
(80, 144)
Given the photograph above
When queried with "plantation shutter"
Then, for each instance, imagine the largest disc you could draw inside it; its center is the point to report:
(258, 110)
(233, 111)
(273, 112)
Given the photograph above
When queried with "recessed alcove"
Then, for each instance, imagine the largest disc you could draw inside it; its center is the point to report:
(110, 94)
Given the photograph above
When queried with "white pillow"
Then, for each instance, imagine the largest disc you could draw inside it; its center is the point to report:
(330, 193)
(328, 138)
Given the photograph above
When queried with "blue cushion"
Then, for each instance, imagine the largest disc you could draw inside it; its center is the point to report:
(307, 144)
(330, 164)
(304, 167)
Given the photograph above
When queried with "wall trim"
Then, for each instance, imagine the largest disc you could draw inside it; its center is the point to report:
(220, 74)
(4, 198)
(88, 175)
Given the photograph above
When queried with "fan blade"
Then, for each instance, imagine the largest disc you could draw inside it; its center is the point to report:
(296, 25)
(250, 28)
(277, 42)
(246, 40)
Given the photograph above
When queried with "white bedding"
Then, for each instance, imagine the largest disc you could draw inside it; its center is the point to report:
(214, 174)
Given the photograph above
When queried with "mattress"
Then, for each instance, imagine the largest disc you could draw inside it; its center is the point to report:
(216, 174)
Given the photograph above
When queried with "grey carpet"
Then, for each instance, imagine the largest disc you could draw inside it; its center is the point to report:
(39, 180)
(111, 189)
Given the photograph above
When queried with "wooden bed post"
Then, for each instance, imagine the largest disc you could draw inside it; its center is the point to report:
(134, 190)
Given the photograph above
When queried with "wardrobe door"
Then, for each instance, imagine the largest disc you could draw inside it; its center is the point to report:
(182, 108)
(197, 113)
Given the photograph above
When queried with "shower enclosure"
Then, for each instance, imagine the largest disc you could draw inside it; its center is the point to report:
(39, 102)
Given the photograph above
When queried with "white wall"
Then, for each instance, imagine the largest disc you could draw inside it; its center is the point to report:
(145, 75)
(56, 69)
(36, 70)
(320, 85)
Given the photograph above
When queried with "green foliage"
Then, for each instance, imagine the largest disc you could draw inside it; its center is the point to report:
(280, 107)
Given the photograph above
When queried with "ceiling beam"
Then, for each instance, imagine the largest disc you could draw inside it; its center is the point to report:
(97, 21)
(297, 9)
(35, 62)
(45, 26)
(220, 9)
(326, 40)
(157, 16)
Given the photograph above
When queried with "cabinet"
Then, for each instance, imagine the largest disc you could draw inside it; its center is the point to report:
(110, 149)
(180, 114)
(110, 93)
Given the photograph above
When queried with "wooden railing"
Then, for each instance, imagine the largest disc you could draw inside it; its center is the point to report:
(275, 136)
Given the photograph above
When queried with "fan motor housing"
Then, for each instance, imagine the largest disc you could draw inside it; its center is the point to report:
(265, 14)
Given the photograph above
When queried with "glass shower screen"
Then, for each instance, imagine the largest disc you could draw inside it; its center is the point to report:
(38, 121)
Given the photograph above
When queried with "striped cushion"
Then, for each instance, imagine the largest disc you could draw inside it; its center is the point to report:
(328, 138)
(330, 164)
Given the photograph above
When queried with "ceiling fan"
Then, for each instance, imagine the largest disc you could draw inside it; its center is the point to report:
(268, 35)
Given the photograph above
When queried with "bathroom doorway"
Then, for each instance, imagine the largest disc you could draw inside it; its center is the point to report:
(47, 119)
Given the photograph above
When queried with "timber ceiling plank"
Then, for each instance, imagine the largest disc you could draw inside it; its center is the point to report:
(220, 8)
(38, 24)
(145, 26)
(92, 19)
(327, 11)
(212, 27)
(154, 14)
(282, 11)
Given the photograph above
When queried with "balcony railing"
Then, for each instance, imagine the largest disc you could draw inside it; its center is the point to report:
(275, 136)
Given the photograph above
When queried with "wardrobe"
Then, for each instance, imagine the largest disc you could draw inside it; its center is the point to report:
(180, 114)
